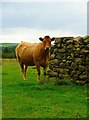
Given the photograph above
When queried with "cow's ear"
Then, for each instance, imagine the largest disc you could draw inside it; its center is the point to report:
(52, 39)
(41, 39)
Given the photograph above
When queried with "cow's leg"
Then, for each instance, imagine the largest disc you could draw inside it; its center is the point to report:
(38, 70)
(22, 67)
(45, 68)
(25, 69)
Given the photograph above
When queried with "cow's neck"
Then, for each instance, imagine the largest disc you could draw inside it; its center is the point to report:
(44, 52)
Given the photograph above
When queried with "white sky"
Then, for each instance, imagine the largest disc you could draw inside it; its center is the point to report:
(27, 21)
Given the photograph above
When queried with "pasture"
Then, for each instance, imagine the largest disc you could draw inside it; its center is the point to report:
(28, 99)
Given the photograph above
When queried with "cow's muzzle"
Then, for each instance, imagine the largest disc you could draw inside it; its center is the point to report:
(47, 48)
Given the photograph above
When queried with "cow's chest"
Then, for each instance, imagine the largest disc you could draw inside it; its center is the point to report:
(44, 62)
(42, 58)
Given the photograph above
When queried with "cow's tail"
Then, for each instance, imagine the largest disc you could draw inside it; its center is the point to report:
(17, 55)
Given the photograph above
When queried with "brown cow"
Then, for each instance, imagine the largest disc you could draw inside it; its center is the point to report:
(30, 54)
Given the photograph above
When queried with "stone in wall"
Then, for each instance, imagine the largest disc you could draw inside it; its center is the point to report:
(70, 59)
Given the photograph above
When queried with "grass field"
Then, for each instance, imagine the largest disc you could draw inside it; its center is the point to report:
(28, 99)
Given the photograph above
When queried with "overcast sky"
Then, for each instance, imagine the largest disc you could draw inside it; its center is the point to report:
(27, 21)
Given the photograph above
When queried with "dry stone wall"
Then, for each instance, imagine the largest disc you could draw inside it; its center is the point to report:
(70, 59)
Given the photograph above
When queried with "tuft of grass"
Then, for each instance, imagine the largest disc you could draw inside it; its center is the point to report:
(28, 99)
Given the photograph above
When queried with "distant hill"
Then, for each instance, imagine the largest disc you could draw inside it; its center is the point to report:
(11, 45)
(7, 50)
(8, 44)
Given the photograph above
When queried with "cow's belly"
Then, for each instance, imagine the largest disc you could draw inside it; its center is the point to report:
(29, 62)
(27, 59)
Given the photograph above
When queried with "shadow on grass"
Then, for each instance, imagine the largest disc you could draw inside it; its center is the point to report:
(4, 73)
(59, 82)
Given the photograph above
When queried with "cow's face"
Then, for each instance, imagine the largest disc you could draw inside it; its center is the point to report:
(47, 42)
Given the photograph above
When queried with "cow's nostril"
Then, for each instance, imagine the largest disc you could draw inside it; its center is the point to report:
(47, 48)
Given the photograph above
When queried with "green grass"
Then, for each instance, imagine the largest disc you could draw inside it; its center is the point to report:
(28, 99)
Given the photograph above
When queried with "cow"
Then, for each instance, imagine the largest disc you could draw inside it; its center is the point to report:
(34, 54)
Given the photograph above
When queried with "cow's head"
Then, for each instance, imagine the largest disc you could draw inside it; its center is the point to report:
(47, 42)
